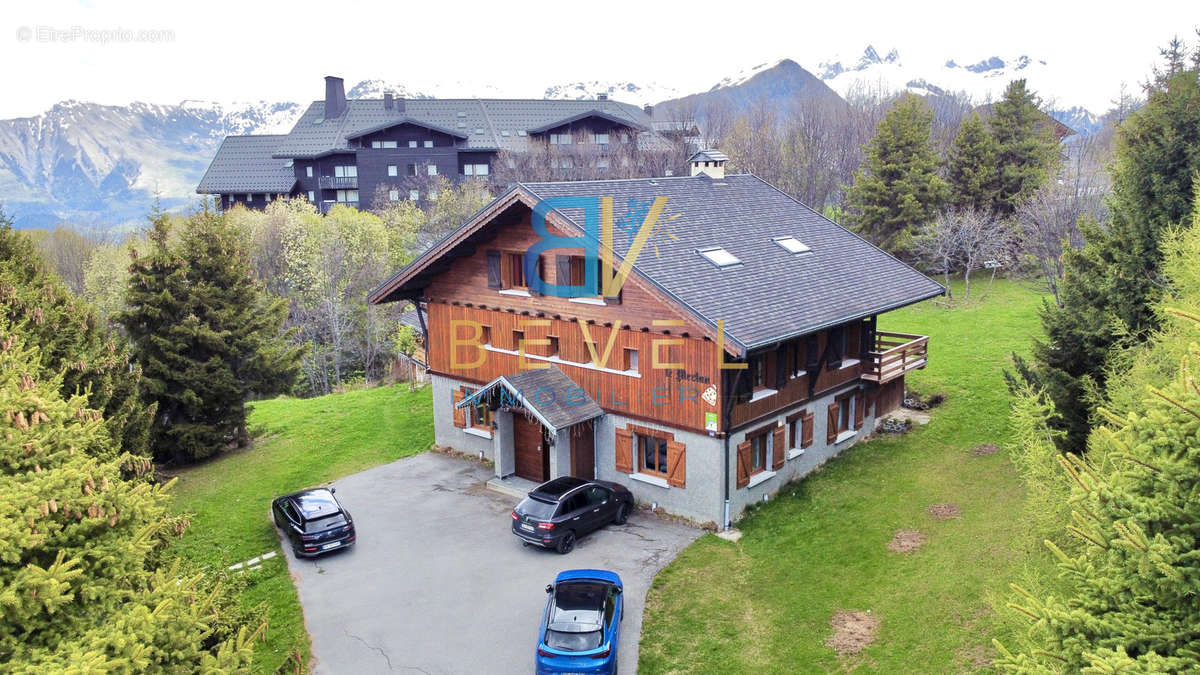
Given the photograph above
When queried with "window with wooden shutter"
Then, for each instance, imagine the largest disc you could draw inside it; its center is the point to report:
(676, 464)
(460, 414)
(831, 430)
(860, 402)
(743, 463)
(493, 269)
(836, 347)
(812, 355)
(806, 436)
(779, 451)
(562, 270)
(781, 367)
(624, 451)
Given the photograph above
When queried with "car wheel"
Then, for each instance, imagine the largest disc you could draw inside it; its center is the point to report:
(566, 543)
(622, 515)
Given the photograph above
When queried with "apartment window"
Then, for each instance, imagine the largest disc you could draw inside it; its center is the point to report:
(429, 144)
(347, 196)
(760, 446)
(631, 359)
(308, 171)
(552, 348)
(602, 139)
(475, 169)
(758, 371)
(414, 195)
(393, 170)
(795, 430)
(393, 195)
(555, 139)
(795, 356)
(249, 197)
(431, 195)
(602, 163)
(412, 144)
(411, 169)
(481, 415)
(383, 144)
(312, 196)
(431, 169)
(652, 453)
(518, 338)
(516, 270)
(345, 171)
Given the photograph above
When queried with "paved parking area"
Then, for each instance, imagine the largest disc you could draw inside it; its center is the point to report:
(438, 584)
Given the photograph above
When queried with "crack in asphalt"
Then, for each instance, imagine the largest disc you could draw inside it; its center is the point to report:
(373, 647)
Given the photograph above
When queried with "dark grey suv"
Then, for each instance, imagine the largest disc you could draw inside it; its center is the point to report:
(313, 521)
(558, 512)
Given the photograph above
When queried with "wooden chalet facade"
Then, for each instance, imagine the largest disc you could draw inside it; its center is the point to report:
(697, 385)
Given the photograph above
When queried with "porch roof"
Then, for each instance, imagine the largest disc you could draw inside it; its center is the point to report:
(553, 398)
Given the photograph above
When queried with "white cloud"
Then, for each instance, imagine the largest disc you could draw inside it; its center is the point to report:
(223, 50)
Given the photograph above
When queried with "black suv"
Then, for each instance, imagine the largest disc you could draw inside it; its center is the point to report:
(556, 513)
(313, 521)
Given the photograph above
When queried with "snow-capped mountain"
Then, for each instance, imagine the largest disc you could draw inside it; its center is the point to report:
(983, 79)
(626, 92)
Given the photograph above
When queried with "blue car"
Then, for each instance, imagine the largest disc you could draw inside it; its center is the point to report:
(581, 623)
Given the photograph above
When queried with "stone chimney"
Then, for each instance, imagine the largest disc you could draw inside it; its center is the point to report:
(388, 100)
(335, 97)
(648, 109)
(709, 162)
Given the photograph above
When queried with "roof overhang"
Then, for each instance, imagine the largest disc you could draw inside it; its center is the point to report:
(594, 112)
(406, 120)
(588, 410)
(408, 283)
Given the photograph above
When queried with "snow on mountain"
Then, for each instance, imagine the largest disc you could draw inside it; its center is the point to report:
(626, 92)
(982, 78)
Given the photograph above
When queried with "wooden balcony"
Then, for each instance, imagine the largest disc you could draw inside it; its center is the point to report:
(338, 182)
(895, 354)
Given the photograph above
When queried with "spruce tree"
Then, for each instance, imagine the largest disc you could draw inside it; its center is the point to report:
(898, 189)
(72, 339)
(1025, 146)
(971, 167)
(1129, 602)
(78, 590)
(1111, 285)
(206, 335)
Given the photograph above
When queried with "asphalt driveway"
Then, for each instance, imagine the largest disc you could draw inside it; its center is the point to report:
(438, 584)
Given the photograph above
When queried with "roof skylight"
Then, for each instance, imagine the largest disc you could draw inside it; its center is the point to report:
(792, 245)
(719, 256)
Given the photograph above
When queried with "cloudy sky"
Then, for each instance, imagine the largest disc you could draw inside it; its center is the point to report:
(165, 52)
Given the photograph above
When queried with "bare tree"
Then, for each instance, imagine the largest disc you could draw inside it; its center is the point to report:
(962, 241)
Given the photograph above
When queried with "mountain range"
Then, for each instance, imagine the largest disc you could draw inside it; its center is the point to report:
(106, 166)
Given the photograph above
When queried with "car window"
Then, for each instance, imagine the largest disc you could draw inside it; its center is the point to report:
(573, 503)
(326, 523)
(536, 508)
(287, 510)
(610, 606)
(596, 495)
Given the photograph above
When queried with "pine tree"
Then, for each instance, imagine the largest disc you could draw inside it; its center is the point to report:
(78, 592)
(1025, 147)
(1130, 603)
(72, 339)
(898, 188)
(1111, 285)
(206, 336)
(971, 167)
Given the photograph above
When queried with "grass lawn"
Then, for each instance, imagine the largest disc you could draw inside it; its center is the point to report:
(764, 604)
(299, 443)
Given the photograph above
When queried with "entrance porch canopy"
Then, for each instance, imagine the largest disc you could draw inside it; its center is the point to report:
(547, 393)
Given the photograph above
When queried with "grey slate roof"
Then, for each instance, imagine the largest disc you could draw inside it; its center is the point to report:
(247, 164)
(772, 294)
(504, 123)
(709, 156)
(544, 392)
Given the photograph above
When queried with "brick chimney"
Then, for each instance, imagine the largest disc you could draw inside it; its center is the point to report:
(388, 100)
(335, 97)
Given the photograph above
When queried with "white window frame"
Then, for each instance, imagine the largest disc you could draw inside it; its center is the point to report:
(414, 195)
(412, 144)
(345, 171)
(792, 245)
(393, 170)
(720, 257)
(428, 144)
(308, 170)
(431, 169)
(312, 196)
(393, 195)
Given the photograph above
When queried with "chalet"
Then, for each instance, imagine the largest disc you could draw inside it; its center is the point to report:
(740, 352)
(349, 151)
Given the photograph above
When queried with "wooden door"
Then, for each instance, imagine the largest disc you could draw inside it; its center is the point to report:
(583, 451)
(531, 457)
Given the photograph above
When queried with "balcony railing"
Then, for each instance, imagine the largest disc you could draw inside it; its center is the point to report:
(338, 182)
(895, 354)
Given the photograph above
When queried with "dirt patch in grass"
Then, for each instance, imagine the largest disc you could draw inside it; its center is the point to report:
(944, 511)
(974, 658)
(985, 449)
(906, 540)
(853, 631)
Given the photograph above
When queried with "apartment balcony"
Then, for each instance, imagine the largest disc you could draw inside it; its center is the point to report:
(894, 355)
(338, 182)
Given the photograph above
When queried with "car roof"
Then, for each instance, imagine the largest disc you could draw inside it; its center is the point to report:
(558, 487)
(589, 575)
(316, 503)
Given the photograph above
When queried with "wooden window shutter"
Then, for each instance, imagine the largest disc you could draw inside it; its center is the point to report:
(676, 464)
(806, 434)
(867, 338)
(781, 367)
(460, 414)
(832, 431)
(779, 448)
(812, 355)
(743, 463)
(624, 451)
(860, 402)
(836, 335)
(493, 269)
